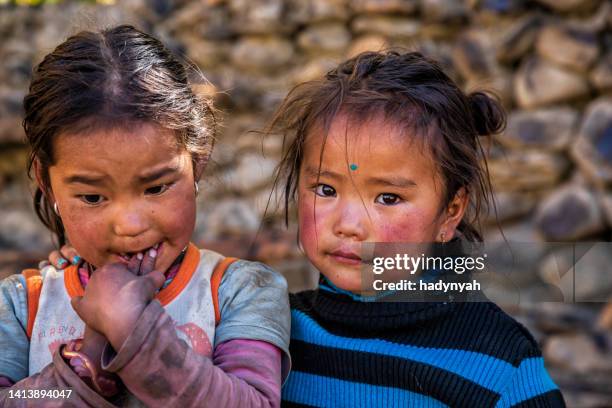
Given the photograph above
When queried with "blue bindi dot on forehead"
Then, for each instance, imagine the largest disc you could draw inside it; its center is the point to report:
(353, 167)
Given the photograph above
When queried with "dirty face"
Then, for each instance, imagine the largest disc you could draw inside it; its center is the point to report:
(121, 192)
(373, 183)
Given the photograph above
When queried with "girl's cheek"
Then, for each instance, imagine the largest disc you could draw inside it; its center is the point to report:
(407, 227)
(306, 219)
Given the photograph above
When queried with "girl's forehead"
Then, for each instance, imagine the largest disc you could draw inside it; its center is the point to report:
(112, 151)
(133, 135)
(351, 133)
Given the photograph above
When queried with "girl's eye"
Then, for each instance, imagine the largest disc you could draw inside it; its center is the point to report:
(388, 199)
(157, 190)
(91, 199)
(324, 190)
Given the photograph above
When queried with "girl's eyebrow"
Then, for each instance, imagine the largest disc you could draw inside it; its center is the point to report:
(82, 179)
(313, 172)
(157, 174)
(392, 181)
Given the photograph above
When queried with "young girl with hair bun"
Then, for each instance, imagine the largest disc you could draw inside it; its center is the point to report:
(142, 316)
(386, 148)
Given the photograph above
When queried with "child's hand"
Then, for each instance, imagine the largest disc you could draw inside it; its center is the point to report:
(93, 345)
(64, 257)
(116, 295)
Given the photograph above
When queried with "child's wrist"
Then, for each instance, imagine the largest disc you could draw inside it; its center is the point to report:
(120, 330)
(88, 368)
(93, 345)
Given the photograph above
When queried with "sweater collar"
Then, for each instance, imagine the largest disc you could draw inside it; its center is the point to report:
(362, 315)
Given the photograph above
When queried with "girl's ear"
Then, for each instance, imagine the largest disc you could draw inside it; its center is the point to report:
(38, 174)
(199, 164)
(453, 214)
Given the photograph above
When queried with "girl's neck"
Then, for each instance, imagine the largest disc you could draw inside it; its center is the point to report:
(326, 285)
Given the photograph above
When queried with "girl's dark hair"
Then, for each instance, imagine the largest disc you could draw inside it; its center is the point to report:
(114, 78)
(413, 92)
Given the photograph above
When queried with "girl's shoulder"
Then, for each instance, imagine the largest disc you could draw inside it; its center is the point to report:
(252, 275)
(254, 304)
(495, 332)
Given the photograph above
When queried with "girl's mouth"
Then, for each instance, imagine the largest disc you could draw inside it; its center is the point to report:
(128, 256)
(346, 257)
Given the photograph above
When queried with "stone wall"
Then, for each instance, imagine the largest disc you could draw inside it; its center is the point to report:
(550, 61)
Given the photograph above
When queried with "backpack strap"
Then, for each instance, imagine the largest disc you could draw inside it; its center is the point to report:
(215, 281)
(33, 287)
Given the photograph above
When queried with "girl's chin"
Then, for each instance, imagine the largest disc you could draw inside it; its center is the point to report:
(351, 285)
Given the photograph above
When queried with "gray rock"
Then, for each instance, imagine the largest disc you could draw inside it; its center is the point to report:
(582, 271)
(313, 69)
(228, 217)
(601, 75)
(20, 229)
(578, 352)
(251, 173)
(586, 399)
(11, 114)
(511, 205)
(314, 11)
(388, 26)
(384, 6)
(570, 213)
(605, 200)
(16, 60)
(556, 317)
(367, 42)
(502, 6)
(197, 19)
(519, 39)
(444, 11)
(248, 140)
(547, 129)
(258, 16)
(539, 83)
(529, 170)
(569, 5)
(569, 47)
(270, 203)
(592, 150)
(205, 53)
(473, 55)
(511, 262)
(13, 158)
(262, 53)
(324, 38)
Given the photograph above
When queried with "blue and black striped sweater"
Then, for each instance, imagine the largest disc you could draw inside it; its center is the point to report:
(349, 353)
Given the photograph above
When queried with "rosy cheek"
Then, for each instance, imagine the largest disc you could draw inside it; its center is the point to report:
(408, 227)
(306, 221)
(396, 231)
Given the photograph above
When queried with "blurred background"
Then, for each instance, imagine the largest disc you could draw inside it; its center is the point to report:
(550, 62)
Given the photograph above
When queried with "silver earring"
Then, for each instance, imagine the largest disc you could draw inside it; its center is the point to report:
(197, 189)
(442, 237)
(56, 209)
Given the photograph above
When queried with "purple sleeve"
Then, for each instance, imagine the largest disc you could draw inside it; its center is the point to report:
(5, 382)
(162, 370)
(57, 375)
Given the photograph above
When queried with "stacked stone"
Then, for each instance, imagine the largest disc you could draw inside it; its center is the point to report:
(550, 62)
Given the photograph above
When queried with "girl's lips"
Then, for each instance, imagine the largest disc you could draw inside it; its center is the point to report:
(127, 256)
(347, 258)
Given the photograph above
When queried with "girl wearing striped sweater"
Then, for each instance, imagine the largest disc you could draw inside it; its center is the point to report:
(386, 148)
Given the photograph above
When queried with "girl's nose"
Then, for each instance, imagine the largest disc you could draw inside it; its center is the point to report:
(352, 222)
(129, 223)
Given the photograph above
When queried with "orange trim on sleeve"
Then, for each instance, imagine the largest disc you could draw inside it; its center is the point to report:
(72, 282)
(33, 287)
(183, 276)
(215, 281)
